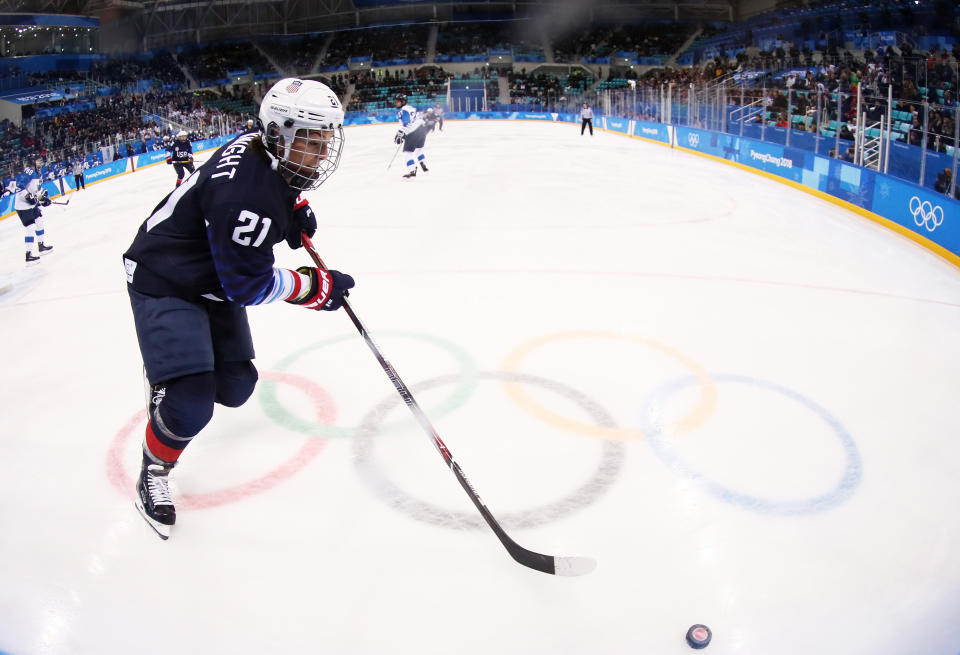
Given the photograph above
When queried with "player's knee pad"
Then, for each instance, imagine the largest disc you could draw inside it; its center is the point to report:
(235, 382)
(187, 405)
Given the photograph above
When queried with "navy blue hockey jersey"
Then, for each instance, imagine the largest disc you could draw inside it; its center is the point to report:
(213, 236)
(180, 152)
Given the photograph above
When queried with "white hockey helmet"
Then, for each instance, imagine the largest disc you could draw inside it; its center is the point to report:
(302, 124)
(182, 135)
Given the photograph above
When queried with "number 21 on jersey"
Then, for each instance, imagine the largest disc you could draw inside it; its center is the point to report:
(249, 223)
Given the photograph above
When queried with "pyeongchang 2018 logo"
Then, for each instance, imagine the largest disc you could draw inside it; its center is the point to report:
(926, 214)
(693, 139)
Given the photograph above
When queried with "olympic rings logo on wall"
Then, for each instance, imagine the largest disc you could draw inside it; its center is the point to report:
(693, 138)
(601, 424)
(926, 214)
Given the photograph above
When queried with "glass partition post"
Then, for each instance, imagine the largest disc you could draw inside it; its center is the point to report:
(668, 116)
(819, 118)
(743, 110)
(836, 143)
(923, 149)
(789, 114)
(723, 108)
(858, 137)
(886, 157)
(956, 141)
(763, 112)
(661, 105)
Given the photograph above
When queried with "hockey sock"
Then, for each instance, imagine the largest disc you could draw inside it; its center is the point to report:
(183, 408)
(30, 242)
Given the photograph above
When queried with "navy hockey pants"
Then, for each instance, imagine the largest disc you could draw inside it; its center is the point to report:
(198, 351)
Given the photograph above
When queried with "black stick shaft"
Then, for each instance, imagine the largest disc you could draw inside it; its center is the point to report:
(526, 557)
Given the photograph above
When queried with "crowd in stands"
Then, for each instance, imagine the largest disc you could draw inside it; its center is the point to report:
(215, 62)
(129, 124)
(541, 90)
(642, 41)
(403, 42)
(376, 91)
(464, 39)
(805, 85)
(160, 67)
(296, 55)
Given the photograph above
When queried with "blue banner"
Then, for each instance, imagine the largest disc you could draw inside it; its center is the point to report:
(30, 96)
(617, 124)
(928, 213)
(53, 188)
(655, 131)
(105, 171)
(149, 158)
(524, 116)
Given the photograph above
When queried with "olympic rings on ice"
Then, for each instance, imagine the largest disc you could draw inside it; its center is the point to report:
(840, 492)
(607, 469)
(275, 410)
(325, 414)
(706, 404)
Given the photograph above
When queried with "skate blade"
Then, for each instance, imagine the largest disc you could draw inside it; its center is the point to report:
(46, 252)
(161, 529)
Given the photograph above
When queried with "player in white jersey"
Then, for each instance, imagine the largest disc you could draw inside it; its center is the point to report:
(27, 203)
(412, 134)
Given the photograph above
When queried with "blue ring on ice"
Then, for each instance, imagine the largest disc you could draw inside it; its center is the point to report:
(841, 492)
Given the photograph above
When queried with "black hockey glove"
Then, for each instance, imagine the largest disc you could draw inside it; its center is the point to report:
(325, 289)
(303, 221)
(398, 139)
(44, 199)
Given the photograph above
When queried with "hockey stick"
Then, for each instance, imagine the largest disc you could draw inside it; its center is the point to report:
(567, 566)
(395, 153)
(54, 202)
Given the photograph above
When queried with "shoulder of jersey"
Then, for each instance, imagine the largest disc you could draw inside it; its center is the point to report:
(249, 168)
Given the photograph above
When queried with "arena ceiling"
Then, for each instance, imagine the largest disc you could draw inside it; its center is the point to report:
(159, 23)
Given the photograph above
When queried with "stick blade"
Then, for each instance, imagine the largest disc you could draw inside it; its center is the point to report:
(573, 566)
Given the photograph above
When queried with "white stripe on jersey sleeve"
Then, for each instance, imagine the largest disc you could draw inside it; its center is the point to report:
(281, 286)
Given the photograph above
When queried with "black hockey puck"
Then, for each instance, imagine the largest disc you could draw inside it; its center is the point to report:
(698, 636)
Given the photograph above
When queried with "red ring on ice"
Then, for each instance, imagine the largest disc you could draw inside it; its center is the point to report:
(311, 447)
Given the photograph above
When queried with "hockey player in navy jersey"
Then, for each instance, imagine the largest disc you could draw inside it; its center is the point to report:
(180, 154)
(412, 134)
(27, 203)
(206, 253)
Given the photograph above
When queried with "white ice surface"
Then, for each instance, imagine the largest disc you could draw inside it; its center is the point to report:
(550, 298)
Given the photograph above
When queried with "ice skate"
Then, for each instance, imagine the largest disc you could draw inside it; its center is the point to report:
(44, 248)
(32, 259)
(412, 173)
(153, 498)
(423, 165)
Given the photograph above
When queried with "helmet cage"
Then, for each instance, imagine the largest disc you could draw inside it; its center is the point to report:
(294, 148)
